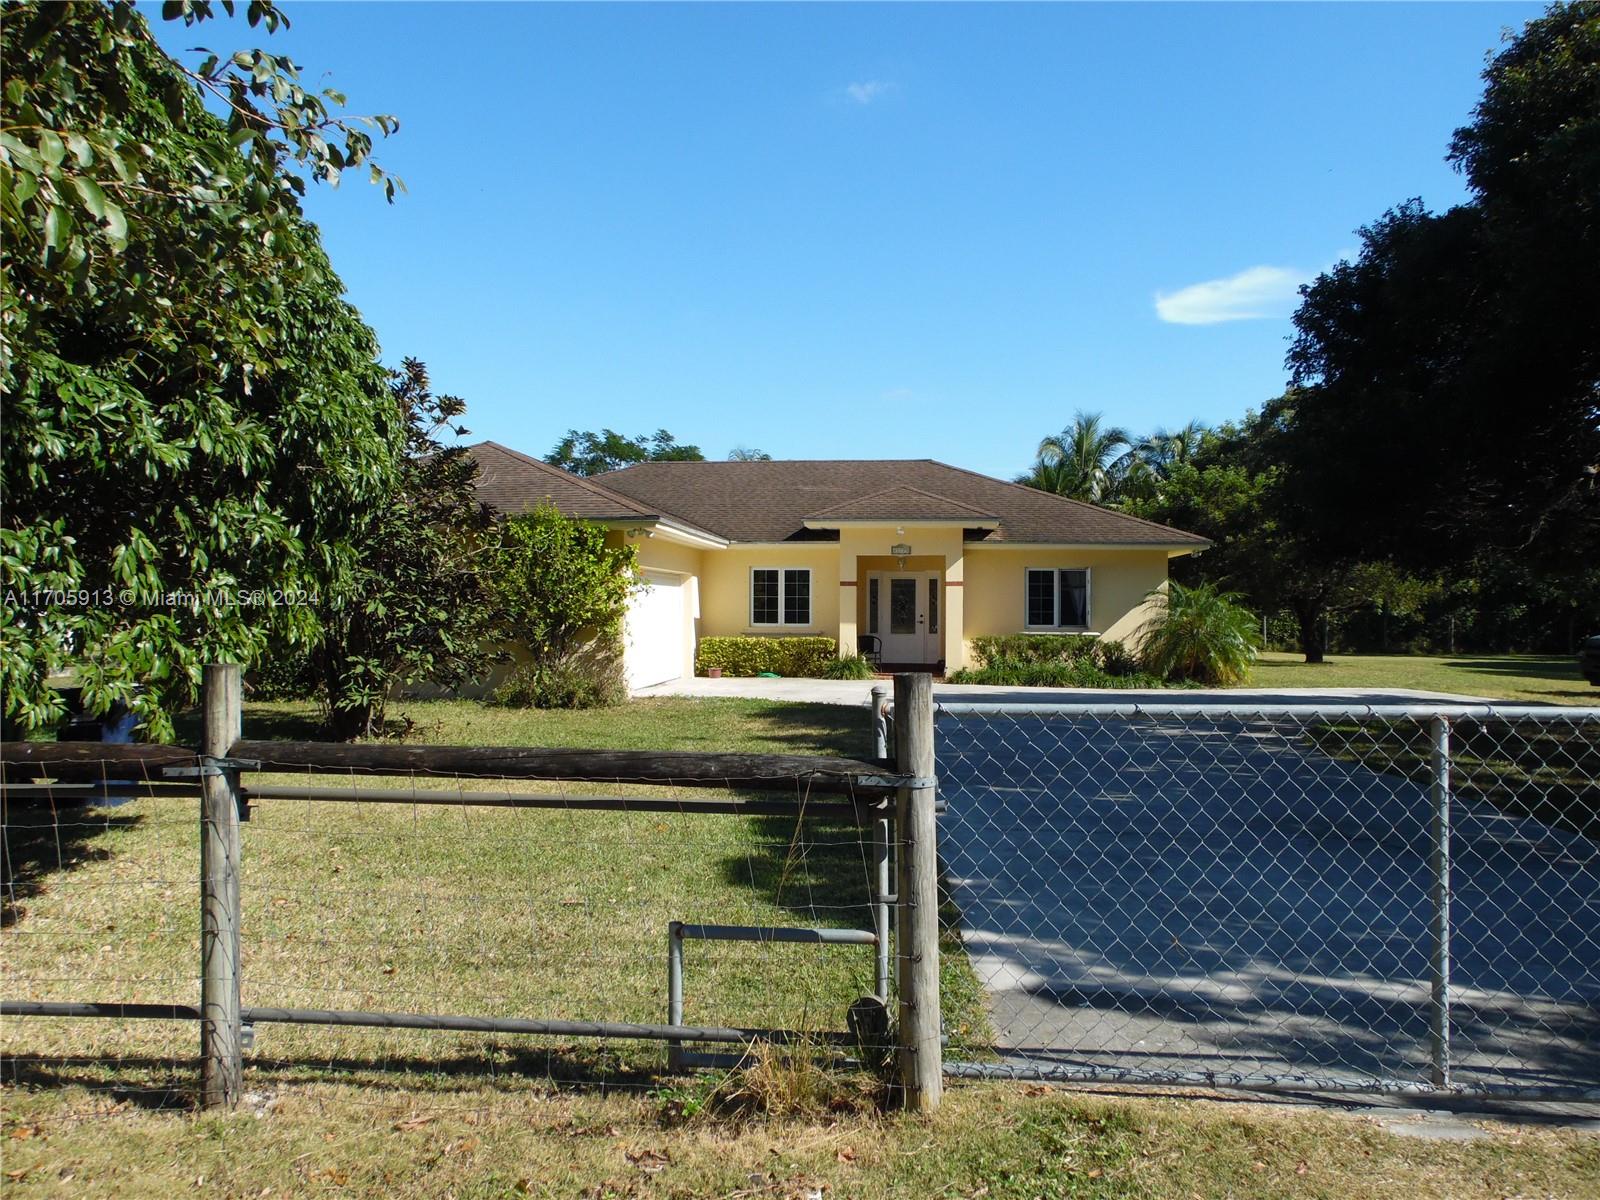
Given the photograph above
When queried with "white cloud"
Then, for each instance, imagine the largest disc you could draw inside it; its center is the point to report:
(868, 90)
(1253, 293)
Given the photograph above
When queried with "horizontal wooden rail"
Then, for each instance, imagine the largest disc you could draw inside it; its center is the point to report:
(92, 760)
(678, 768)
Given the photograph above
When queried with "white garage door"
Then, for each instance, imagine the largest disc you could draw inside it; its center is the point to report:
(653, 648)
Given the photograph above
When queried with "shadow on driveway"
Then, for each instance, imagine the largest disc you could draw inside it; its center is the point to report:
(1215, 894)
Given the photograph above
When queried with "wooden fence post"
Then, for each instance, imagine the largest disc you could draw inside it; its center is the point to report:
(917, 913)
(221, 1064)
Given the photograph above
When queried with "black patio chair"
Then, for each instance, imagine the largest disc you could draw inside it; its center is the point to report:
(870, 647)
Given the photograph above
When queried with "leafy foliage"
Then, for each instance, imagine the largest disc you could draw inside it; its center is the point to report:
(589, 678)
(590, 453)
(196, 421)
(415, 606)
(793, 657)
(1053, 660)
(848, 666)
(560, 592)
(1202, 635)
(1080, 461)
(1033, 648)
(1470, 333)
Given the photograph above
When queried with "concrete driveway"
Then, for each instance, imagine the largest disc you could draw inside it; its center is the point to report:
(1218, 895)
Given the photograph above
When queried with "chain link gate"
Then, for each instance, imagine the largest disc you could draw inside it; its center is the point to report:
(1338, 898)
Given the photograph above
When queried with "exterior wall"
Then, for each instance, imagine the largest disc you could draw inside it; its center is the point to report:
(1119, 582)
(864, 548)
(725, 590)
(983, 593)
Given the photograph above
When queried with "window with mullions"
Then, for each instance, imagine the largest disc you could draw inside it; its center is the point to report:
(780, 596)
(1058, 599)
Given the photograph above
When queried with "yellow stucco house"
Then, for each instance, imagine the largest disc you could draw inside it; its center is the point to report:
(919, 555)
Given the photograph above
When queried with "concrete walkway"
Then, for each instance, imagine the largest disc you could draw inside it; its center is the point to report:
(856, 692)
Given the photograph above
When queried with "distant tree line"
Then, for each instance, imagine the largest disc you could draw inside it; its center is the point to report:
(1431, 475)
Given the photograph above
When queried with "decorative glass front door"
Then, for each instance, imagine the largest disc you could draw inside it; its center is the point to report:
(908, 617)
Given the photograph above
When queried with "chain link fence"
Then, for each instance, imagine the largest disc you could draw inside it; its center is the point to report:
(1337, 898)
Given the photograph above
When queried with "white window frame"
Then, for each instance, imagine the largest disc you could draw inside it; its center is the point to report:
(1055, 601)
(783, 621)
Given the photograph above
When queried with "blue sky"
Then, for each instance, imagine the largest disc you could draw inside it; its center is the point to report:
(841, 231)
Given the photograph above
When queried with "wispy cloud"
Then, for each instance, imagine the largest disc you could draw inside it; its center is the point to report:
(868, 90)
(1253, 293)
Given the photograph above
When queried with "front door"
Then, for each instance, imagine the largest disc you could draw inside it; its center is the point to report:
(907, 609)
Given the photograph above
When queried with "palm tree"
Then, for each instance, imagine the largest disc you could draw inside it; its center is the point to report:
(1081, 461)
(1140, 472)
(1165, 449)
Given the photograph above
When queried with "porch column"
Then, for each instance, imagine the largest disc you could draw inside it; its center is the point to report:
(954, 615)
(849, 585)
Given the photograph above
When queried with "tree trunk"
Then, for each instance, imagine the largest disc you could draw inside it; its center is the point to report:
(1312, 630)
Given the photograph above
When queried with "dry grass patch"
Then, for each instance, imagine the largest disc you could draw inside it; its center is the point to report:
(367, 1138)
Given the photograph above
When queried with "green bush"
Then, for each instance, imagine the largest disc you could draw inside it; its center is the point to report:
(590, 679)
(849, 666)
(1032, 648)
(1115, 658)
(1078, 673)
(796, 657)
(1202, 635)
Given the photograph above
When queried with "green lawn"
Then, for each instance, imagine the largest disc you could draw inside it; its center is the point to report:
(1522, 678)
(479, 911)
(563, 914)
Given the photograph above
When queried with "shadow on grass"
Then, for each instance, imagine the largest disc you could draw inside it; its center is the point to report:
(154, 1083)
(1561, 668)
(277, 723)
(817, 729)
(42, 839)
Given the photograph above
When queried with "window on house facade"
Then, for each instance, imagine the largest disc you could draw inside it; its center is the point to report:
(872, 605)
(933, 606)
(1058, 599)
(780, 596)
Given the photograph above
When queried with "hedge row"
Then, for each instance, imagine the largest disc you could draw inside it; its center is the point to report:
(795, 657)
(1033, 648)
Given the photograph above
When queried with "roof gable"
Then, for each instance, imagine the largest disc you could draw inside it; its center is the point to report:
(511, 482)
(901, 502)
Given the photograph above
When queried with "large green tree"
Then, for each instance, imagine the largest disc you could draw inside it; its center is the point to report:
(590, 453)
(1450, 375)
(415, 607)
(195, 420)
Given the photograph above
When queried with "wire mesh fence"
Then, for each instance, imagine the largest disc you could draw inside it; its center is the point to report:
(404, 896)
(1339, 898)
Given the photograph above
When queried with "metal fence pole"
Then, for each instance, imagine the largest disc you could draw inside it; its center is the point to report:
(1439, 1016)
(881, 841)
(674, 991)
(917, 897)
(221, 1062)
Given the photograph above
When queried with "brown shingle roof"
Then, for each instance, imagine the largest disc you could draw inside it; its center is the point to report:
(901, 503)
(770, 501)
(510, 482)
